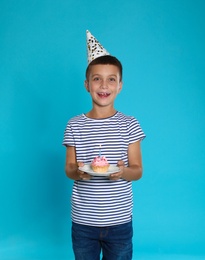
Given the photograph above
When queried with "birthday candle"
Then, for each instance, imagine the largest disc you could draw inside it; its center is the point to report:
(100, 151)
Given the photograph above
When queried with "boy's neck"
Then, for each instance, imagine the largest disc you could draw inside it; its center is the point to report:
(100, 114)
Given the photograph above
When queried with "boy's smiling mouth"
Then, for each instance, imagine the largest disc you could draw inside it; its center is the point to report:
(103, 94)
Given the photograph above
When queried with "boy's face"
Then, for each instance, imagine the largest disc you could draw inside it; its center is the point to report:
(103, 83)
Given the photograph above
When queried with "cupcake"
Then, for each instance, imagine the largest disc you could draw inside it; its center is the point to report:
(100, 164)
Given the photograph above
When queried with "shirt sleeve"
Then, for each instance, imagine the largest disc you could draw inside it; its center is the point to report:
(68, 139)
(135, 131)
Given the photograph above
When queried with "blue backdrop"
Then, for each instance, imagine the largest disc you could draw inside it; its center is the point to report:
(42, 63)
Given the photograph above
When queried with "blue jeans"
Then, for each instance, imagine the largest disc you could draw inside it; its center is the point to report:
(114, 241)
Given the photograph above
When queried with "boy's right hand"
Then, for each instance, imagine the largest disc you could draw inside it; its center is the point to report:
(83, 176)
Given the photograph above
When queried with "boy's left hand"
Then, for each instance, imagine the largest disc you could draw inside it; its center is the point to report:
(117, 175)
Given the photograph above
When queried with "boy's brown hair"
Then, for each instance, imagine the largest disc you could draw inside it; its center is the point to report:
(106, 59)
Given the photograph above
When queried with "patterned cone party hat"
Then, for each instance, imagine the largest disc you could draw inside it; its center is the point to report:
(94, 48)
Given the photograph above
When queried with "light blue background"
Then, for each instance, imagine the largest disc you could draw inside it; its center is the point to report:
(42, 64)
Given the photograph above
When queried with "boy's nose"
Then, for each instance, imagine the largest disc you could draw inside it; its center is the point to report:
(104, 84)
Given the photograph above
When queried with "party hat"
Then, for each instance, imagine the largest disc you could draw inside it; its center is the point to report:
(94, 48)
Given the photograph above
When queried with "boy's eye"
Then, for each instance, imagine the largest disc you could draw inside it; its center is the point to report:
(112, 79)
(96, 79)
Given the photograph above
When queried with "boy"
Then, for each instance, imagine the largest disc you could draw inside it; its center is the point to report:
(101, 205)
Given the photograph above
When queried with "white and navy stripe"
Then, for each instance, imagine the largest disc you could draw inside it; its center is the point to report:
(100, 201)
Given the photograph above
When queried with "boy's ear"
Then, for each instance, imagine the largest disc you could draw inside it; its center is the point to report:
(86, 85)
(120, 86)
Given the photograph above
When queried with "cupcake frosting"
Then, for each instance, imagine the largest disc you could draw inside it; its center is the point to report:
(100, 161)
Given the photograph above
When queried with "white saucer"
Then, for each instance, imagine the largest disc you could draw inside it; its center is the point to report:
(87, 168)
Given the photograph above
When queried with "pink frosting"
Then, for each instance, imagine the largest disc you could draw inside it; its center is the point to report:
(100, 161)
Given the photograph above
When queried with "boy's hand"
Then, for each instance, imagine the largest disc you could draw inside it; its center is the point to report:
(83, 175)
(117, 175)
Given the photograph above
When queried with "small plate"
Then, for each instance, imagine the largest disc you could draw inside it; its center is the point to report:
(87, 168)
